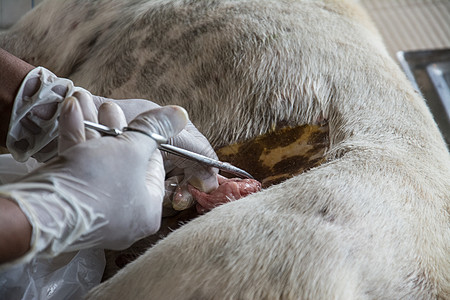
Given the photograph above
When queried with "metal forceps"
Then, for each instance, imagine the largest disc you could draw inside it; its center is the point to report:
(163, 145)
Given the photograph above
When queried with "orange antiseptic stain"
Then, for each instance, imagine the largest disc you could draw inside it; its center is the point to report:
(278, 155)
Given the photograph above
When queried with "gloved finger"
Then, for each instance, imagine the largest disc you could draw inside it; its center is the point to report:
(89, 112)
(170, 186)
(202, 177)
(131, 107)
(154, 182)
(71, 127)
(111, 115)
(166, 121)
(182, 199)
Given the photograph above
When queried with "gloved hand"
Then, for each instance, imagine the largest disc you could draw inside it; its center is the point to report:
(33, 132)
(201, 177)
(96, 193)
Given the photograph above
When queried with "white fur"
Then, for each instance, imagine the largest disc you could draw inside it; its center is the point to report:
(370, 223)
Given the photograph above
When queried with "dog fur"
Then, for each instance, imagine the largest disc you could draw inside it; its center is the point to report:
(372, 222)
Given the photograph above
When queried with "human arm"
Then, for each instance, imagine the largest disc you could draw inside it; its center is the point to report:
(95, 193)
(15, 234)
(13, 71)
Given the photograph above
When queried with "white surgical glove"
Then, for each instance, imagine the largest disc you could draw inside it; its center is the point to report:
(187, 171)
(33, 122)
(96, 193)
(33, 132)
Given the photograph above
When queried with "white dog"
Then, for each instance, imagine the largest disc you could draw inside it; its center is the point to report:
(372, 222)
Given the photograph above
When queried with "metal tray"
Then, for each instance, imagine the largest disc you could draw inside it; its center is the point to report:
(429, 71)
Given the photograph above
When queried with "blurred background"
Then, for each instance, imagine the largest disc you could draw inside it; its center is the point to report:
(417, 35)
(411, 24)
(12, 10)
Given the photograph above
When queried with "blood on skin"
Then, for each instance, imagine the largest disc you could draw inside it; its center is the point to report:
(228, 190)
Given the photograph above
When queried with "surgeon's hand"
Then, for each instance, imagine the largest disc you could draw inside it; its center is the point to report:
(97, 193)
(201, 177)
(180, 172)
(33, 132)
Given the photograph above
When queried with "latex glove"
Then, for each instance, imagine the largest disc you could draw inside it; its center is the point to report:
(185, 171)
(179, 171)
(34, 115)
(95, 194)
(34, 122)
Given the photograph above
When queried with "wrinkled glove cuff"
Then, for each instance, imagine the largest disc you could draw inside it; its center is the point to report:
(59, 221)
(22, 141)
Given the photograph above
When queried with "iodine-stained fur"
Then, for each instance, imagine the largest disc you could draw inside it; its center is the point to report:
(372, 222)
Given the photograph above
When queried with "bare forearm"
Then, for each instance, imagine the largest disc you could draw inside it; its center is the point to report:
(15, 231)
(12, 72)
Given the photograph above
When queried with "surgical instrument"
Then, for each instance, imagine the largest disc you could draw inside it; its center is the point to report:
(164, 146)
